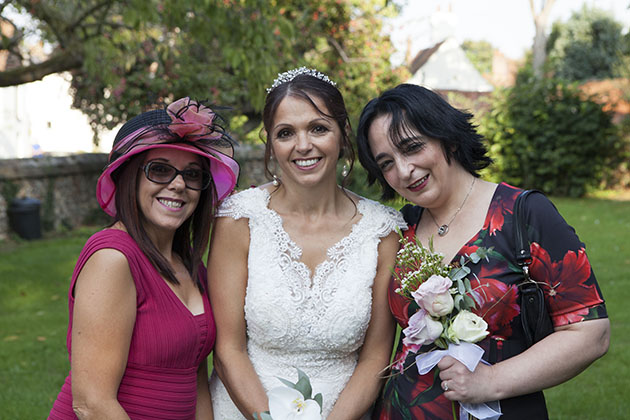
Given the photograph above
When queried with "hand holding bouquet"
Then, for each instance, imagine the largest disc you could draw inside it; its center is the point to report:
(445, 300)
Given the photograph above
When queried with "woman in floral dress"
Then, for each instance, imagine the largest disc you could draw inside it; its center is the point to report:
(415, 144)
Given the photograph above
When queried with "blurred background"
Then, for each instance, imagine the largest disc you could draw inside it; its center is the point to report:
(548, 83)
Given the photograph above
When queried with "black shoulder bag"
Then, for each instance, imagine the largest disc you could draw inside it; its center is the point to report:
(535, 317)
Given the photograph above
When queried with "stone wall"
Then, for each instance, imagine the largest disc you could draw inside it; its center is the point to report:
(66, 186)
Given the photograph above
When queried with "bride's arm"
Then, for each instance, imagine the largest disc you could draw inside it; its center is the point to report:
(227, 280)
(365, 383)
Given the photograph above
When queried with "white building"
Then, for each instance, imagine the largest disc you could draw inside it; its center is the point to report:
(445, 67)
(37, 118)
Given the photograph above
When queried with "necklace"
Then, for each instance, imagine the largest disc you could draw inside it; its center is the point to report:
(443, 229)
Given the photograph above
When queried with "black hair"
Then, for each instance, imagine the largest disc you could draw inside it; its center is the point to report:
(416, 109)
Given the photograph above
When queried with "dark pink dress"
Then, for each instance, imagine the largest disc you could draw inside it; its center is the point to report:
(167, 345)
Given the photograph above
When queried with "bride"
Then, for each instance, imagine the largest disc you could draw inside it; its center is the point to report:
(299, 268)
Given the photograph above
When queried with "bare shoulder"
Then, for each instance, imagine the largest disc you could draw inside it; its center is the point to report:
(485, 192)
(107, 268)
(108, 259)
(229, 228)
(388, 247)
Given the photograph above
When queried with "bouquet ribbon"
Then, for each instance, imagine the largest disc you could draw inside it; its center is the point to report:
(470, 355)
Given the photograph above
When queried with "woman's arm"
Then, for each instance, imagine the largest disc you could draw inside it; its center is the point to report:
(552, 361)
(365, 384)
(204, 405)
(227, 281)
(102, 324)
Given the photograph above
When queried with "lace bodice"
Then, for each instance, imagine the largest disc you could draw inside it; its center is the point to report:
(298, 319)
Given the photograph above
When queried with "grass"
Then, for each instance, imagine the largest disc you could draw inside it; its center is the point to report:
(34, 278)
(33, 321)
(604, 225)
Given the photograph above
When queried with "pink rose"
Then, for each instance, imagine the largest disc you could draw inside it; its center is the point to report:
(434, 296)
(191, 118)
(422, 329)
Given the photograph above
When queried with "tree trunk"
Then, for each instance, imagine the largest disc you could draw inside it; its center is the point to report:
(540, 38)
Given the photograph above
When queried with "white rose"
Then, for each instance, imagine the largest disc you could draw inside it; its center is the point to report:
(467, 327)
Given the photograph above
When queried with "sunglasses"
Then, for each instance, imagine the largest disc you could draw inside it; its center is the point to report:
(162, 173)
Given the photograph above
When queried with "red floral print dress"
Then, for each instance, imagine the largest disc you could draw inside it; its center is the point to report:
(572, 295)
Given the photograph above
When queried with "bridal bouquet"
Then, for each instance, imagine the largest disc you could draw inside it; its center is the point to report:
(443, 293)
(444, 318)
(293, 401)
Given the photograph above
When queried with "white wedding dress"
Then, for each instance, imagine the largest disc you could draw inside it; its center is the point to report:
(295, 319)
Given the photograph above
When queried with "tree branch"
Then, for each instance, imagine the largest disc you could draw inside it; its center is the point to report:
(56, 63)
(343, 54)
(89, 12)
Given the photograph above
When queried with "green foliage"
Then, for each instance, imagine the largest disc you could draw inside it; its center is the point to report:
(589, 45)
(546, 134)
(619, 174)
(480, 54)
(141, 52)
(358, 183)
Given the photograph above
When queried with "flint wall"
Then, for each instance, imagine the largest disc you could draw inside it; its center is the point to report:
(66, 186)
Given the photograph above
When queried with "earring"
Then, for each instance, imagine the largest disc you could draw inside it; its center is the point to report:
(276, 180)
(345, 168)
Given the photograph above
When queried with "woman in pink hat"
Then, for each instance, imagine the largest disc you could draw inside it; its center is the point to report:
(141, 326)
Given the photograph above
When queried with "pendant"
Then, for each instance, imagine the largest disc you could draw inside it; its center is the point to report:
(443, 230)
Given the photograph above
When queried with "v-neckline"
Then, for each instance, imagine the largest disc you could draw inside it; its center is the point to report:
(181, 302)
(311, 274)
(473, 238)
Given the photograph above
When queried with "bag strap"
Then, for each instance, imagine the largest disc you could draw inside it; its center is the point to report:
(411, 213)
(521, 241)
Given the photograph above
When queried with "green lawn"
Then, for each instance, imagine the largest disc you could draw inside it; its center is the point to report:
(34, 278)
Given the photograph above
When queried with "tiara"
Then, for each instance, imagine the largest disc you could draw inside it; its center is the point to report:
(289, 75)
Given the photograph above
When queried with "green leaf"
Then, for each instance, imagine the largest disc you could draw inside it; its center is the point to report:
(457, 301)
(319, 399)
(304, 385)
(469, 301)
(287, 383)
(460, 287)
(458, 273)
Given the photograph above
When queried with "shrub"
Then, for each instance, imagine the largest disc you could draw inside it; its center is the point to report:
(546, 134)
(618, 175)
